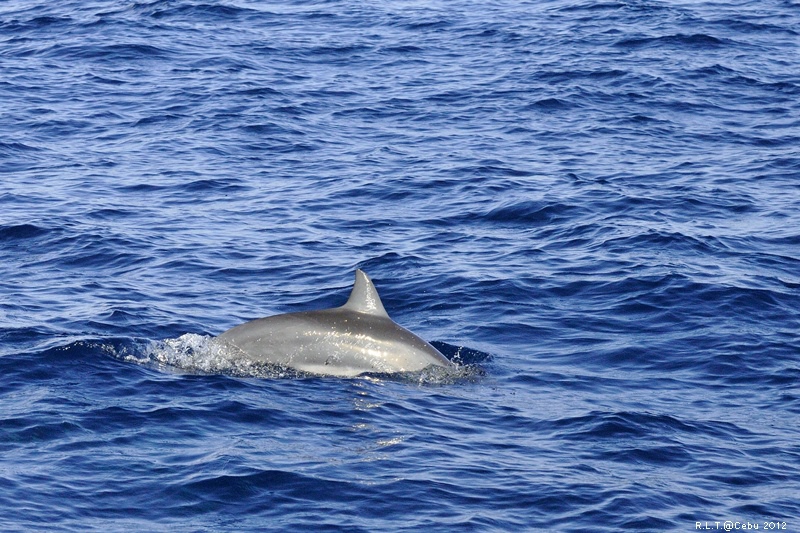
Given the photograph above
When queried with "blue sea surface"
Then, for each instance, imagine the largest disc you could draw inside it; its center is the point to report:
(593, 206)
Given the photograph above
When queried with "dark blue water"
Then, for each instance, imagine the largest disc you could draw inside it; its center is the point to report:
(595, 203)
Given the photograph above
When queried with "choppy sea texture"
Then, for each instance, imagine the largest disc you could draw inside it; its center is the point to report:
(595, 203)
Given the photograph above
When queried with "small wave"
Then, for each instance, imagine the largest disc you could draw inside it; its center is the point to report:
(16, 148)
(549, 105)
(529, 212)
(701, 41)
(112, 52)
(21, 231)
(203, 12)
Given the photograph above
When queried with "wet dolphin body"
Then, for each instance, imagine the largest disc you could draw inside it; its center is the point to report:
(355, 338)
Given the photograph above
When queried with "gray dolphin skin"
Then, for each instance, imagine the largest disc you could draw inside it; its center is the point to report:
(355, 338)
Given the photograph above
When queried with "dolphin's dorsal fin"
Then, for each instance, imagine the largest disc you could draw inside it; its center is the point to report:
(364, 297)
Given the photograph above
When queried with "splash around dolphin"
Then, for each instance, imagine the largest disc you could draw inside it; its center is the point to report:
(356, 338)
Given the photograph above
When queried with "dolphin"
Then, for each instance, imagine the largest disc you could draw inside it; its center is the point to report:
(355, 338)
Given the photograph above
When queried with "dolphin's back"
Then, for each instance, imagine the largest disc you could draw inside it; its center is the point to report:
(353, 339)
(333, 341)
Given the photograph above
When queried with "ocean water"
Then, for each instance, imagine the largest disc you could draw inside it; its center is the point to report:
(593, 206)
